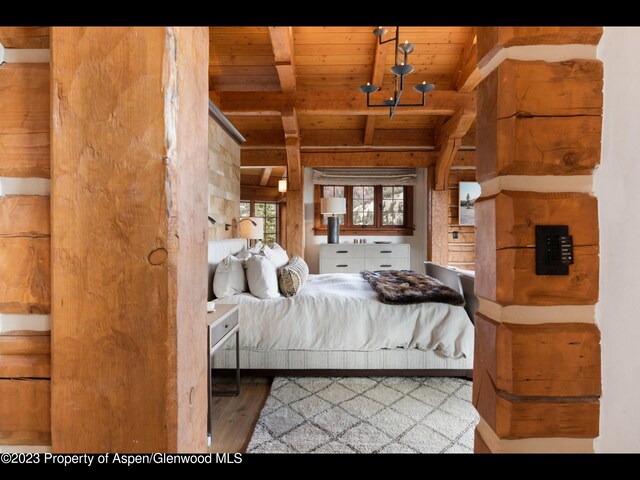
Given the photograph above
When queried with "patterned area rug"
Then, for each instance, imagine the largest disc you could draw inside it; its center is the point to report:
(366, 415)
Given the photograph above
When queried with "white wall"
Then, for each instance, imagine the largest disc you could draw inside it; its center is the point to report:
(617, 185)
(417, 240)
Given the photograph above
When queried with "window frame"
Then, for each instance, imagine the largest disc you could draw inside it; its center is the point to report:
(366, 230)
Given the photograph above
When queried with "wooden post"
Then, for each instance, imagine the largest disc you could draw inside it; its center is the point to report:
(295, 223)
(537, 352)
(129, 207)
(437, 247)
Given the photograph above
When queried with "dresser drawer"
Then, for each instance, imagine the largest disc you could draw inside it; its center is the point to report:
(399, 250)
(342, 250)
(341, 265)
(219, 330)
(386, 264)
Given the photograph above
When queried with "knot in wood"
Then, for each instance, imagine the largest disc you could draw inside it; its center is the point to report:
(157, 256)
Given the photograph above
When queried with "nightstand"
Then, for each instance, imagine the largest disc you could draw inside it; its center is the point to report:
(221, 325)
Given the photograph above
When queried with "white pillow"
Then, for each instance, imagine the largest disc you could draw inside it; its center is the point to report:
(230, 278)
(244, 255)
(276, 254)
(256, 248)
(262, 277)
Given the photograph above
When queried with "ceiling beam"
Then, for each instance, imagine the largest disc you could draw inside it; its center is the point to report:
(369, 159)
(448, 141)
(283, 53)
(394, 138)
(264, 178)
(265, 194)
(263, 158)
(377, 75)
(468, 76)
(415, 159)
(439, 102)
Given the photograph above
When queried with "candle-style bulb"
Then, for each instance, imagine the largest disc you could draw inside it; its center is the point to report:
(368, 84)
(406, 41)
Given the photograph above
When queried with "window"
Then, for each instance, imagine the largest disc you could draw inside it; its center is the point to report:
(371, 209)
(266, 210)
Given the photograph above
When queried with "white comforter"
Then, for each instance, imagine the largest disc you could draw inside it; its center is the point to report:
(341, 312)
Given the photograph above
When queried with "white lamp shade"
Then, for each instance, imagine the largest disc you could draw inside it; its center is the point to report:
(333, 206)
(251, 231)
(282, 185)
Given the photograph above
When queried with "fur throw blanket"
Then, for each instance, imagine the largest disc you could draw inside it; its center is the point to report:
(401, 287)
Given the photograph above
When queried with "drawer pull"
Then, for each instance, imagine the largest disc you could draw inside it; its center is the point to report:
(342, 251)
(342, 266)
(387, 266)
(226, 325)
(386, 251)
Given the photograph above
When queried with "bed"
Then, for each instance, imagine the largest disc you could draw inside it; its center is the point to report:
(336, 325)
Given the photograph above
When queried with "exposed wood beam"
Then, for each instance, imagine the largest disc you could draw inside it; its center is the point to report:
(470, 50)
(292, 146)
(376, 79)
(264, 178)
(369, 159)
(263, 158)
(439, 102)
(290, 123)
(448, 141)
(260, 193)
(467, 76)
(369, 129)
(415, 159)
(397, 138)
(283, 53)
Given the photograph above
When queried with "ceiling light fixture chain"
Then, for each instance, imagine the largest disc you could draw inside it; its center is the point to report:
(400, 69)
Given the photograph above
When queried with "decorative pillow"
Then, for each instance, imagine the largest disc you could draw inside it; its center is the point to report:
(256, 248)
(276, 254)
(230, 278)
(244, 255)
(262, 277)
(291, 277)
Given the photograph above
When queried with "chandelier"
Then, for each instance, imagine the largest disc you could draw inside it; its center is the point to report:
(400, 69)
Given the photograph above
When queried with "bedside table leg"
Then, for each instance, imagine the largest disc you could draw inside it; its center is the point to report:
(238, 362)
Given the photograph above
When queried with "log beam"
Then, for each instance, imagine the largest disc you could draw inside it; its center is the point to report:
(440, 102)
(264, 177)
(283, 53)
(468, 74)
(377, 75)
(449, 140)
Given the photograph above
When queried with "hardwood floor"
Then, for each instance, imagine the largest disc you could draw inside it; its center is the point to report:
(234, 418)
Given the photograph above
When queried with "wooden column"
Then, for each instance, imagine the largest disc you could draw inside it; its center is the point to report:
(129, 180)
(25, 244)
(537, 360)
(437, 248)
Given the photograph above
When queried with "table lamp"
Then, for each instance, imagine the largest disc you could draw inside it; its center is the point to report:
(333, 207)
(251, 228)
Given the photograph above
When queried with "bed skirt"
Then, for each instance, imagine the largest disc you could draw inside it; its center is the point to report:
(389, 359)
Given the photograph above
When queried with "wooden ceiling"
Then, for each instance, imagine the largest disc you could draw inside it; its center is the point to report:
(302, 83)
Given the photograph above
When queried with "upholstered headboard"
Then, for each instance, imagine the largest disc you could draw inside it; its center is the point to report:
(219, 250)
(460, 281)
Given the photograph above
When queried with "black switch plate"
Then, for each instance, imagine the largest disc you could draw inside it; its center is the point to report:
(554, 250)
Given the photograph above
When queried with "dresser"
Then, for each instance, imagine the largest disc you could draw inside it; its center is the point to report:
(355, 257)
